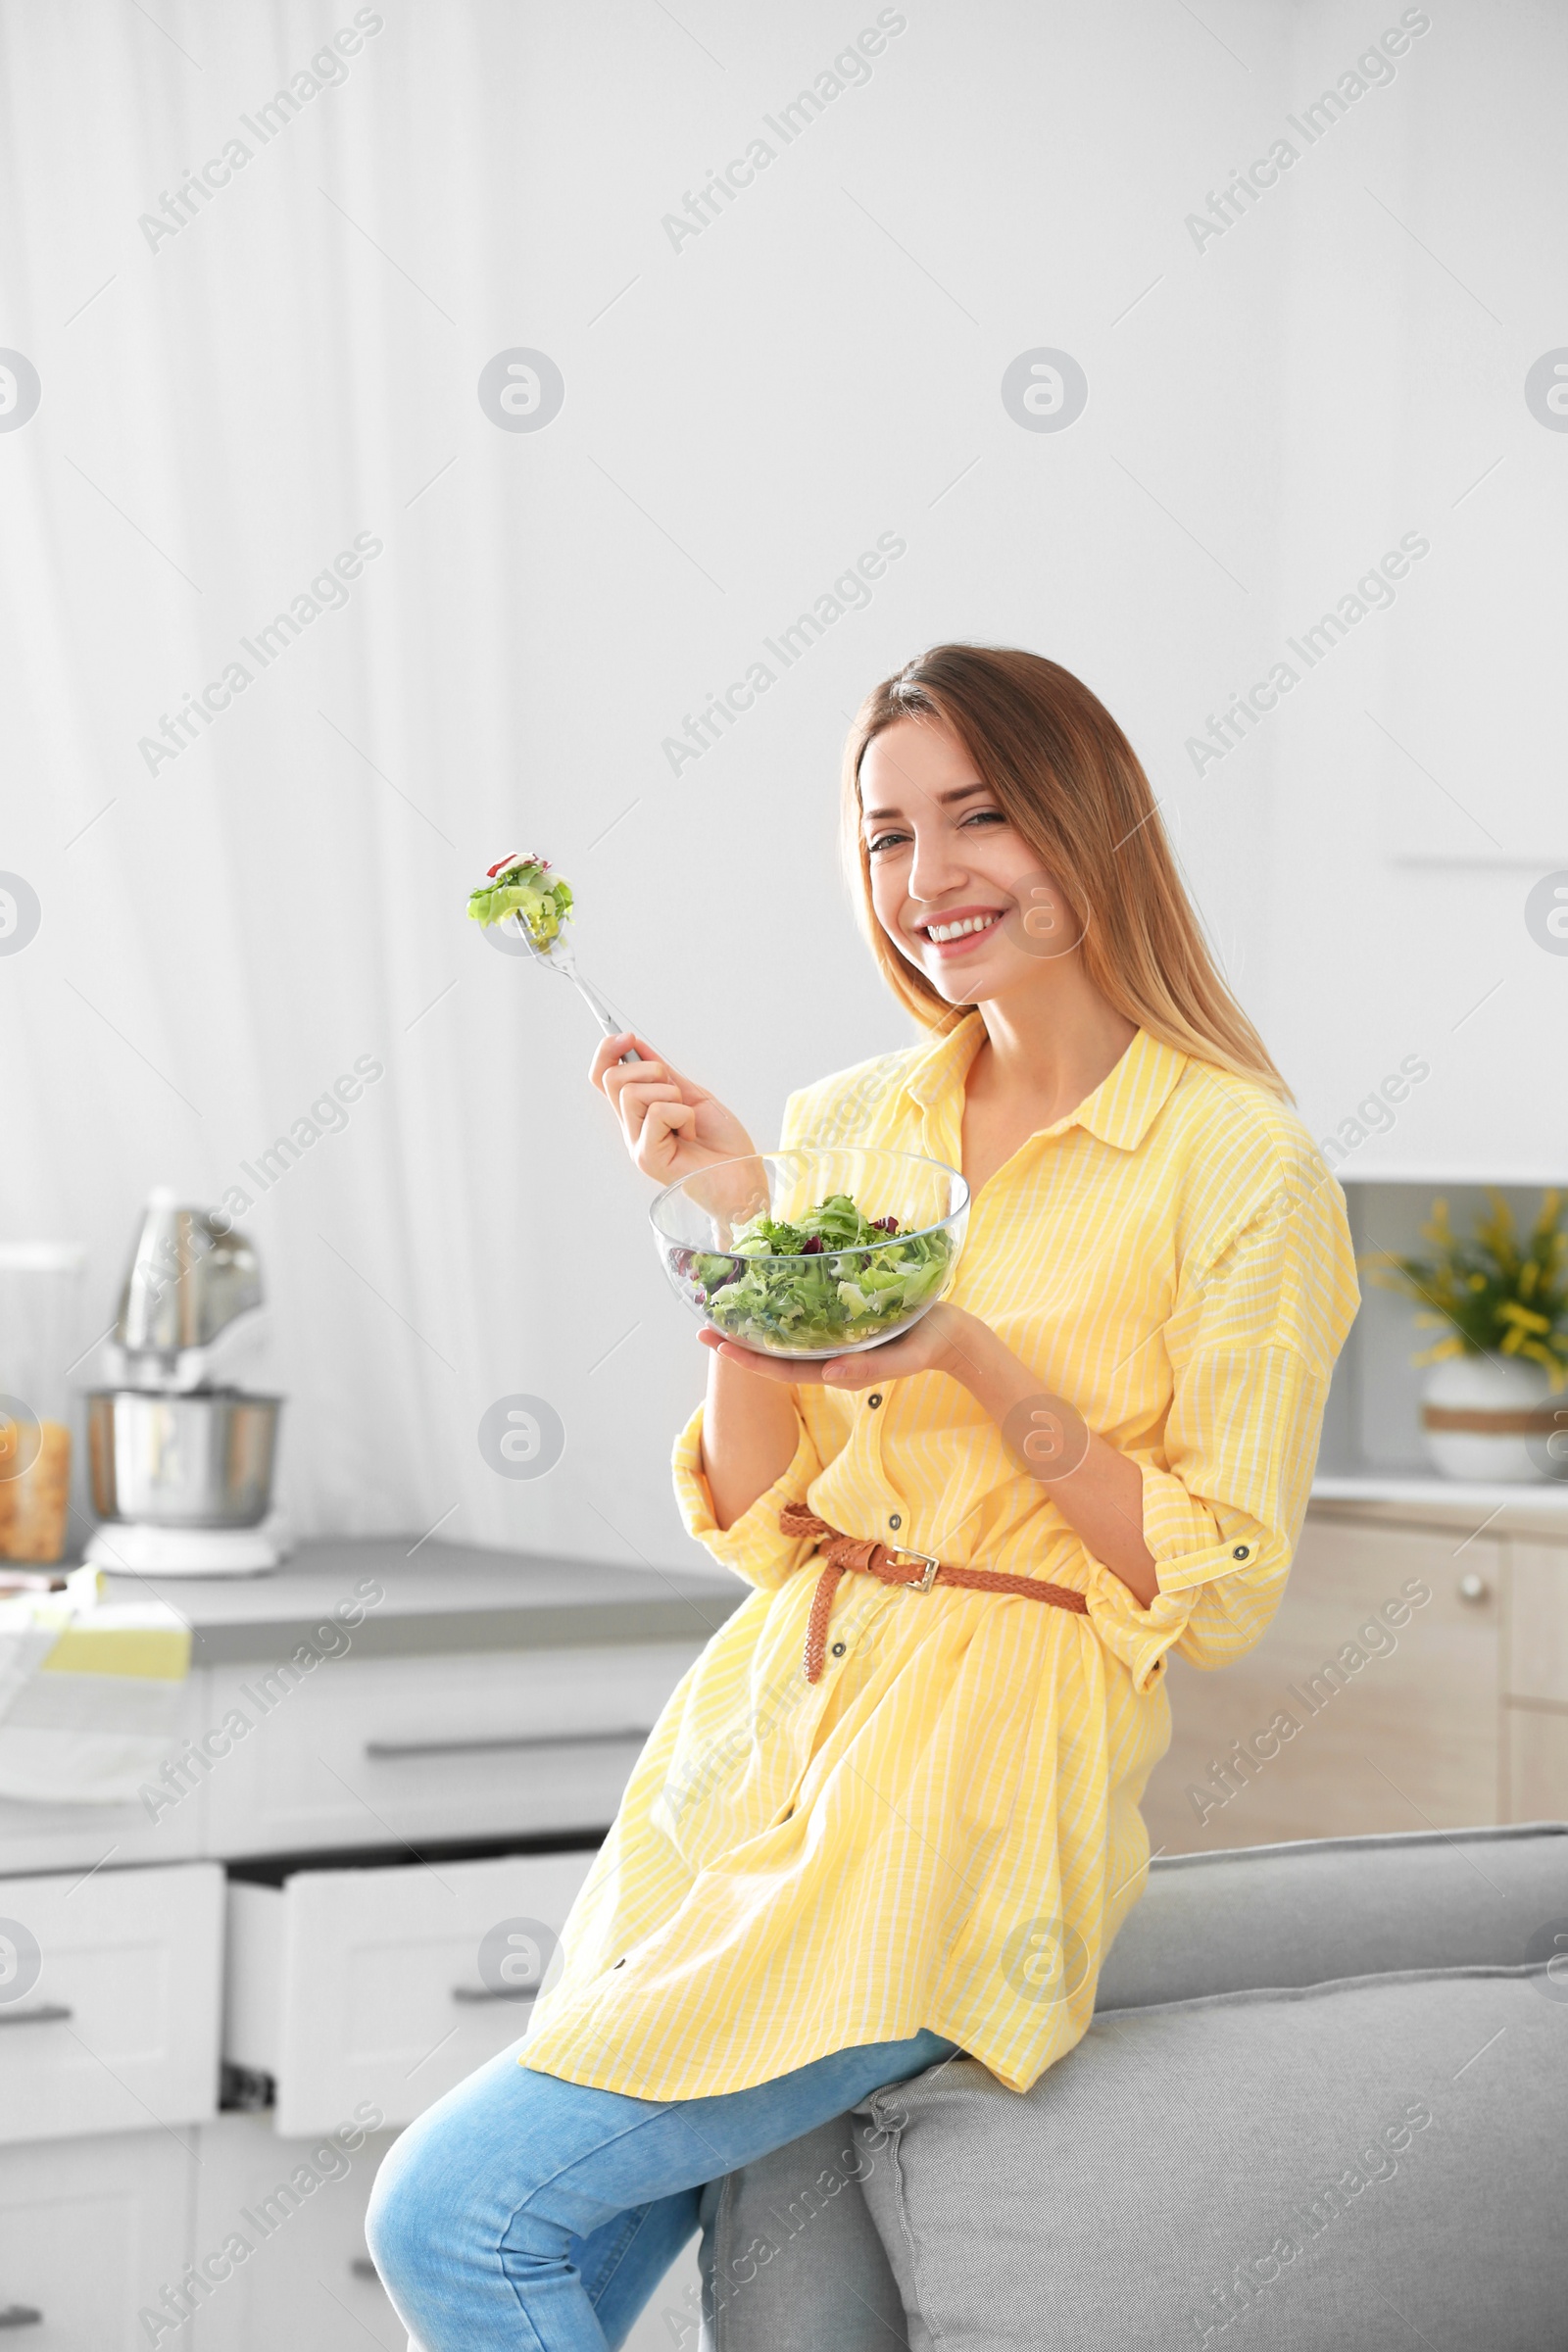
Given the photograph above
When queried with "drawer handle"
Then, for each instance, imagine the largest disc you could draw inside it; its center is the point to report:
(21, 2314)
(48, 2013)
(476, 1992)
(383, 1748)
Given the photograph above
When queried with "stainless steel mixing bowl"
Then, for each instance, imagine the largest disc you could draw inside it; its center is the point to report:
(198, 1461)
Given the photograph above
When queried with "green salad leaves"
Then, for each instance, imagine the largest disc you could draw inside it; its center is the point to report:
(524, 886)
(830, 1279)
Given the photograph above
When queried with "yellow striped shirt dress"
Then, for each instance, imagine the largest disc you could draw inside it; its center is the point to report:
(944, 1831)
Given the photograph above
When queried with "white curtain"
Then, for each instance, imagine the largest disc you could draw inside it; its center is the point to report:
(273, 405)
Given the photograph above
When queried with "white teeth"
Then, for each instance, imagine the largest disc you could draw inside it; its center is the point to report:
(941, 932)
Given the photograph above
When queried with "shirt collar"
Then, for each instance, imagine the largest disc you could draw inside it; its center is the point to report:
(944, 1063)
(1125, 1105)
(1120, 1111)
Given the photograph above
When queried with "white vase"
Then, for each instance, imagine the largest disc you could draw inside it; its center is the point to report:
(1488, 1418)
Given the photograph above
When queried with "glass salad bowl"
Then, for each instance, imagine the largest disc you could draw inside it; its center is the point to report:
(813, 1253)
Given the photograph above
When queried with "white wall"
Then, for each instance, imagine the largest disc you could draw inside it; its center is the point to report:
(1420, 783)
(742, 418)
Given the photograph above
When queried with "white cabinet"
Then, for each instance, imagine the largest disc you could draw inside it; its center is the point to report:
(1458, 1715)
(280, 2227)
(387, 1985)
(1538, 1763)
(109, 2000)
(371, 1990)
(92, 2231)
(1364, 1707)
(1536, 1708)
(44, 1836)
(372, 1751)
(1538, 1625)
(304, 2281)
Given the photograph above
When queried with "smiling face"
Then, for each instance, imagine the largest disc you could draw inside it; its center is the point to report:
(954, 886)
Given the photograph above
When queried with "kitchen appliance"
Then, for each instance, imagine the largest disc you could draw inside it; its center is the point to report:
(38, 1337)
(180, 1447)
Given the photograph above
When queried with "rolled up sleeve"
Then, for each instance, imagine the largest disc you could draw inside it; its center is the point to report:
(1252, 1345)
(752, 1545)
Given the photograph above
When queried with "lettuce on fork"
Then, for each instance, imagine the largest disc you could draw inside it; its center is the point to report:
(522, 886)
(829, 1276)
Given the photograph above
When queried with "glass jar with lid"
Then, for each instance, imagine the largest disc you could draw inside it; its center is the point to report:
(38, 1339)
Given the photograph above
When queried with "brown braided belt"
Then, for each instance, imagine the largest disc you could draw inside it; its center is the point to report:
(839, 1553)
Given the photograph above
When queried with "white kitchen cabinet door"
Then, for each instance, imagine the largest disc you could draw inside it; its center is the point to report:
(369, 1752)
(91, 2234)
(386, 1986)
(302, 2281)
(110, 1991)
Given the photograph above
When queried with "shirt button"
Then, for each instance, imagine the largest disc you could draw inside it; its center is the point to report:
(874, 1400)
(1243, 1552)
(839, 1647)
(896, 1521)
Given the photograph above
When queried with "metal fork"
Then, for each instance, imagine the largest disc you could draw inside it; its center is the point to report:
(560, 959)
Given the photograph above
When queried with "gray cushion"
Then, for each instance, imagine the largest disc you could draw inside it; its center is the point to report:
(1334, 1907)
(1371, 2163)
(792, 2256)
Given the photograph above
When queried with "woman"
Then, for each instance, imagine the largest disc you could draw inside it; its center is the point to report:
(876, 1825)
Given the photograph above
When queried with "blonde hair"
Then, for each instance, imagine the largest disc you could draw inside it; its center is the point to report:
(1069, 782)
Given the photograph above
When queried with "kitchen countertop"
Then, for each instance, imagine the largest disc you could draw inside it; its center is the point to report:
(439, 1597)
(1536, 1511)
(452, 1596)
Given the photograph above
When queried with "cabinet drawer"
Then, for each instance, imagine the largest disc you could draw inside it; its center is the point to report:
(110, 1991)
(367, 1994)
(90, 2236)
(301, 2272)
(1538, 1763)
(1343, 1721)
(1538, 1622)
(366, 1751)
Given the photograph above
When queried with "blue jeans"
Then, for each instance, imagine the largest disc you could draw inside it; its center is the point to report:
(525, 2214)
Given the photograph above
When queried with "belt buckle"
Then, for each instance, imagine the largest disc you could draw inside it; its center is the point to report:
(933, 1567)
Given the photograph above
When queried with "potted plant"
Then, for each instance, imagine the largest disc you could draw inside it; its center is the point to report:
(1502, 1309)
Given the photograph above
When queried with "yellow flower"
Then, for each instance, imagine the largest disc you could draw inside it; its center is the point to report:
(1442, 1352)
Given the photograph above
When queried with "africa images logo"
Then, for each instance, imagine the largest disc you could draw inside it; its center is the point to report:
(20, 390)
(1547, 914)
(1545, 390)
(1045, 390)
(521, 390)
(522, 1437)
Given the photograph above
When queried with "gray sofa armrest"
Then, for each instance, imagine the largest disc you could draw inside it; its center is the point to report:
(791, 2257)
